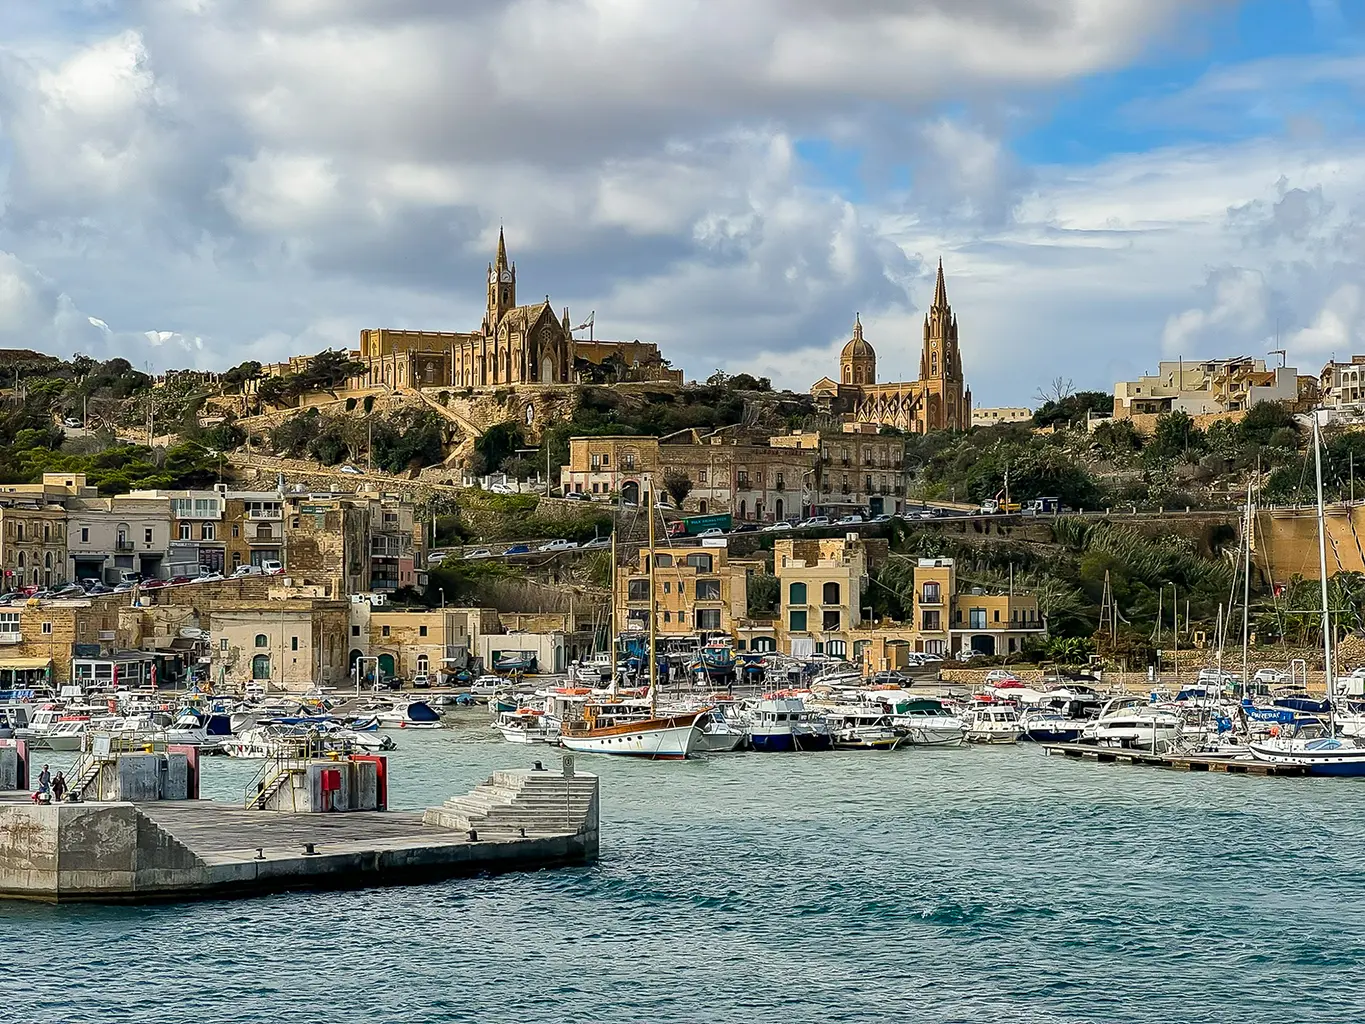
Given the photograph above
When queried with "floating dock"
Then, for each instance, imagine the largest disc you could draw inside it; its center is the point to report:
(1173, 762)
(194, 849)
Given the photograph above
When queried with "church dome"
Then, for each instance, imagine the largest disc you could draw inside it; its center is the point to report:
(857, 347)
(857, 362)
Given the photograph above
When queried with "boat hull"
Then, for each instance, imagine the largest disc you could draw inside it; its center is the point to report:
(932, 735)
(993, 736)
(785, 742)
(718, 742)
(656, 739)
(1329, 758)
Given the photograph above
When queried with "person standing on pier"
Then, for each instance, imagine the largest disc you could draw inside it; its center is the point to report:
(59, 787)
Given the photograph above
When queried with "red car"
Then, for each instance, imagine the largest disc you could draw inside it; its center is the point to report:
(152, 584)
(176, 581)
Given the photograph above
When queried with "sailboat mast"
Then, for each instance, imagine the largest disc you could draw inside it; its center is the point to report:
(1246, 595)
(611, 610)
(1322, 572)
(653, 614)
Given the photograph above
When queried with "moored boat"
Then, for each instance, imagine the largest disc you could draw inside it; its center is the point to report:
(662, 736)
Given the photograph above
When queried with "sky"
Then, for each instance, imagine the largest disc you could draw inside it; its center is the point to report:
(1108, 182)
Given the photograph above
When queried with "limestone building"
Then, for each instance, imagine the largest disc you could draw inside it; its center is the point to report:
(515, 344)
(938, 400)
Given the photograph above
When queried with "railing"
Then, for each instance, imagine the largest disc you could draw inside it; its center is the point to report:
(123, 545)
(260, 513)
(11, 638)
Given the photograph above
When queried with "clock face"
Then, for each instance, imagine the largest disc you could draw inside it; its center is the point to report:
(492, 277)
(507, 277)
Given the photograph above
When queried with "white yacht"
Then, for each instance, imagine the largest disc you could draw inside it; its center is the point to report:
(1133, 722)
(54, 729)
(861, 727)
(527, 725)
(928, 722)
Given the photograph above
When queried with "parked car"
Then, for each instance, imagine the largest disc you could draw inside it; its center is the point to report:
(247, 570)
(351, 470)
(781, 524)
(97, 590)
(69, 590)
(486, 686)
(815, 521)
(179, 581)
(745, 528)
(124, 587)
(577, 496)
(152, 584)
(560, 544)
(91, 581)
(715, 531)
(885, 517)
(421, 681)
(74, 422)
(271, 567)
(208, 576)
(596, 544)
(502, 489)
(479, 553)
(129, 576)
(852, 519)
(1270, 677)
(517, 549)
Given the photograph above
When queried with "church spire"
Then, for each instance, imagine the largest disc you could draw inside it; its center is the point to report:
(940, 289)
(502, 251)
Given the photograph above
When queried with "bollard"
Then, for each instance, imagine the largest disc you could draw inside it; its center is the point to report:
(309, 851)
(260, 853)
(473, 836)
(538, 767)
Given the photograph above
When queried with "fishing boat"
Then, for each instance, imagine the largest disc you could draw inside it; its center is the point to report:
(992, 722)
(1332, 754)
(716, 659)
(781, 722)
(514, 661)
(928, 722)
(527, 725)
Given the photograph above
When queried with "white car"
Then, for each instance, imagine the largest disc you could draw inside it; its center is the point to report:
(502, 489)
(247, 570)
(1270, 677)
(816, 521)
(558, 545)
(778, 526)
(73, 422)
(1000, 675)
(479, 553)
(850, 520)
(211, 576)
(715, 531)
(486, 686)
(349, 469)
(272, 568)
(596, 544)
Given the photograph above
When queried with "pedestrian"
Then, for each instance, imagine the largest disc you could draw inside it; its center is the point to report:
(45, 780)
(59, 787)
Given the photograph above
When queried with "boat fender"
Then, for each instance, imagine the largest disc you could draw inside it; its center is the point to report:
(1274, 730)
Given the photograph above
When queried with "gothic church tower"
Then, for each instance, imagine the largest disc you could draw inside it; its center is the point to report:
(947, 403)
(502, 288)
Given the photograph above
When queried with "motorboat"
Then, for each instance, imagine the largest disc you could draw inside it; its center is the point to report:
(781, 722)
(199, 729)
(861, 727)
(928, 722)
(1050, 725)
(720, 734)
(527, 725)
(270, 740)
(1320, 755)
(413, 714)
(993, 722)
(52, 728)
(1136, 723)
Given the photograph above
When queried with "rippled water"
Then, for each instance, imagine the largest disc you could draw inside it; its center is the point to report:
(967, 885)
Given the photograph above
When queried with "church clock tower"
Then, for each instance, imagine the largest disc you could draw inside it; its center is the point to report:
(947, 404)
(502, 287)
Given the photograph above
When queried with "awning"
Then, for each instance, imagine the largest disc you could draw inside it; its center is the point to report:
(20, 664)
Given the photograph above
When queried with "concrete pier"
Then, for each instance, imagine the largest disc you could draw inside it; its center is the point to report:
(192, 849)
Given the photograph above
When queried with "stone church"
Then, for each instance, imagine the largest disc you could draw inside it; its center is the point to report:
(515, 344)
(938, 400)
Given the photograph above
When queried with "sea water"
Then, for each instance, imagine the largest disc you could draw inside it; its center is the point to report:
(917, 885)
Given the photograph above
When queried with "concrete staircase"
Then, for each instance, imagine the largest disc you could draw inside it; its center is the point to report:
(540, 802)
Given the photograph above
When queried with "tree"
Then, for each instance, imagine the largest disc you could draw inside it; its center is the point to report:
(678, 485)
(1175, 436)
(1055, 391)
(499, 443)
(1072, 407)
(233, 379)
(762, 592)
(274, 391)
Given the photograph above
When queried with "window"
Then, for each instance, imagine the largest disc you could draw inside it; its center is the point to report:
(796, 594)
(383, 630)
(206, 532)
(931, 622)
(223, 644)
(930, 594)
(423, 664)
(421, 630)
(977, 618)
(637, 590)
(85, 535)
(668, 587)
(236, 530)
(355, 631)
(263, 532)
(837, 648)
(9, 624)
(147, 535)
(830, 620)
(997, 615)
(831, 593)
(185, 531)
(701, 476)
(668, 616)
(796, 621)
(708, 618)
(47, 628)
(261, 640)
(701, 562)
(662, 561)
(293, 643)
(47, 531)
(19, 528)
(708, 590)
(606, 460)
(629, 459)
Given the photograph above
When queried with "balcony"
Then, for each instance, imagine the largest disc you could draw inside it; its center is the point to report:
(259, 514)
(123, 544)
(11, 638)
(106, 636)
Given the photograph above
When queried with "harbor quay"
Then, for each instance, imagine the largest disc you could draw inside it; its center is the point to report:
(319, 830)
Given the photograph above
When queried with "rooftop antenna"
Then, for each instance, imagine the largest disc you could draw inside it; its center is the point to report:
(1277, 350)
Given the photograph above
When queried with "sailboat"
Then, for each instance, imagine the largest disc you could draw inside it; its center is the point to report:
(609, 726)
(1321, 755)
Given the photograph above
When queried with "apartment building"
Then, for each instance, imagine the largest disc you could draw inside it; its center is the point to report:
(1342, 385)
(994, 416)
(606, 467)
(285, 643)
(407, 643)
(948, 619)
(1206, 388)
(856, 469)
(821, 583)
(697, 591)
(106, 536)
